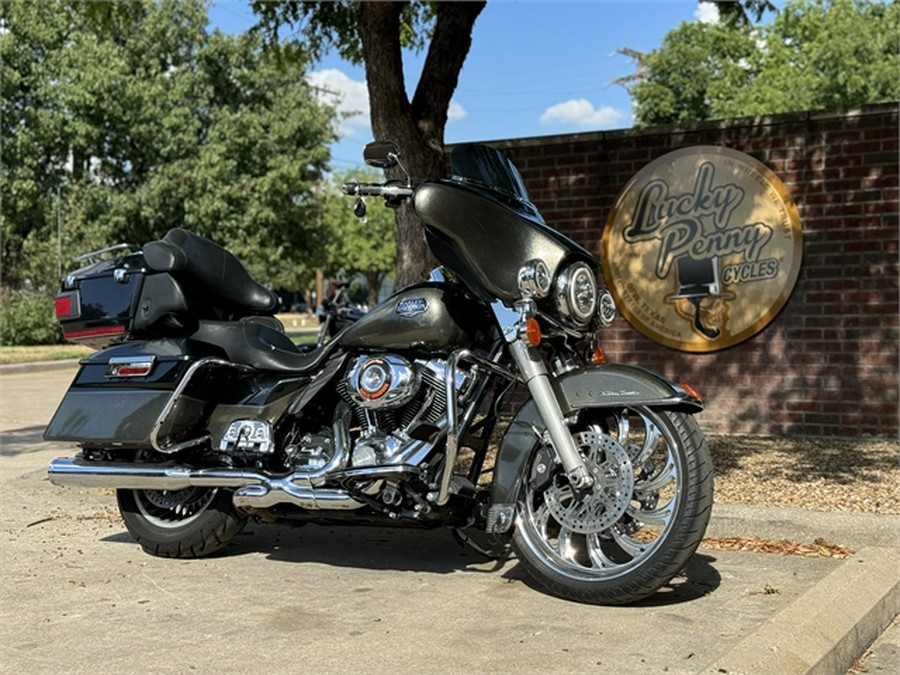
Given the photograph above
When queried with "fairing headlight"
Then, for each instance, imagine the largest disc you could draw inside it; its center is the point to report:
(576, 293)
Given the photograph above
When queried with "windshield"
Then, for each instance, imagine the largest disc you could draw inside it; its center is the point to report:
(483, 167)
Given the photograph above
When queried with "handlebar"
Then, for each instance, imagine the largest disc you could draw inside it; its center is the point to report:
(377, 190)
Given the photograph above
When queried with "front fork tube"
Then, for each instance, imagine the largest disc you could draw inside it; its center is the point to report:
(533, 369)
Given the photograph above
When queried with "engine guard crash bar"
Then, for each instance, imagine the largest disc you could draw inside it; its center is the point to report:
(453, 423)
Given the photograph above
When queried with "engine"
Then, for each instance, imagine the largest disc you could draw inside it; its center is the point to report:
(398, 407)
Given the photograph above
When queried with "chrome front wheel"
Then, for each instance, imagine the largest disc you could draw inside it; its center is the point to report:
(637, 525)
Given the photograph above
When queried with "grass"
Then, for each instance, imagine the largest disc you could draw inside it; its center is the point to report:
(42, 353)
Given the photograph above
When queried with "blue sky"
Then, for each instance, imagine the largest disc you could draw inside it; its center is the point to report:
(536, 68)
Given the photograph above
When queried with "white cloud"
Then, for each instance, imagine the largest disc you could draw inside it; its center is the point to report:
(350, 97)
(707, 12)
(581, 113)
(456, 111)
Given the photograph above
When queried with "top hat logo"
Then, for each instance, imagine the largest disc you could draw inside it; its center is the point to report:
(702, 249)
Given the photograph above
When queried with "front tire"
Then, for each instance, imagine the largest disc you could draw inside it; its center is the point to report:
(640, 522)
(189, 523)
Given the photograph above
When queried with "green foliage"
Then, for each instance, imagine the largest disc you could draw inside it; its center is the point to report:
(126, 119)
(355, 246)
(815, 54)
(28, 318)
(374, 33)
(744, 11)
(329, 25)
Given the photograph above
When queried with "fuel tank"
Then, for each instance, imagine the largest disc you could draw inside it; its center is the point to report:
(428, 318)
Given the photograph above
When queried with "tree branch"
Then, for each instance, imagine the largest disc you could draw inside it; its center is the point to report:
(446, 54)
(379, 33)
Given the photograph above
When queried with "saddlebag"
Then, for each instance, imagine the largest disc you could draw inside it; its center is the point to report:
(137, 395)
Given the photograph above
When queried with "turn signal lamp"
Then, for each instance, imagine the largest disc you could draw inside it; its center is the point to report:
(692, 392)
(598, 357)
(533, 331)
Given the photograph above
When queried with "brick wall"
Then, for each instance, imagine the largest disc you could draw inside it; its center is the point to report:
(828, 363)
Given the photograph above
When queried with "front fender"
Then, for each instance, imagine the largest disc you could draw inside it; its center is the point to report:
(608, 386)
(617, 385)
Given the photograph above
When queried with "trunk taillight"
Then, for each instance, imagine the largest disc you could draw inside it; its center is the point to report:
(68, 306)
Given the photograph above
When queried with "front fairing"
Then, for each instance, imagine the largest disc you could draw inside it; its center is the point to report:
(482, 225)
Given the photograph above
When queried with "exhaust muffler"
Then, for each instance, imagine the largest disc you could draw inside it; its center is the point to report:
(253, 489)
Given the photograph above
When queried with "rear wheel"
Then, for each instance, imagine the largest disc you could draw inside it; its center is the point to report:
(188, 523)
(636, 526)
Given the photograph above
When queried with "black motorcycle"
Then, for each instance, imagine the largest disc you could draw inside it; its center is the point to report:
(337, 312)
(479, 400)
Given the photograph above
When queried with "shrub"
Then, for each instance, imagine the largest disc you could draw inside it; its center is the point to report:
(28, 318)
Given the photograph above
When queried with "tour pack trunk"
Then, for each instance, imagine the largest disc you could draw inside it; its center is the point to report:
(97, 304)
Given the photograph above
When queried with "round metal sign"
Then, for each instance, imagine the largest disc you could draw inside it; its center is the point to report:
(702, 249)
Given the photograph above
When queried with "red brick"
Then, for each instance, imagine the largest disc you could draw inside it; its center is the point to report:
(828, 364)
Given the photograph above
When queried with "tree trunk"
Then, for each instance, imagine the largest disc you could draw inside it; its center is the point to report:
(417, 126)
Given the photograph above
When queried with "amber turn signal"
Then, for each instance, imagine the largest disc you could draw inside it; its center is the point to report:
(690, 391)
(533, 332)
(598, 358)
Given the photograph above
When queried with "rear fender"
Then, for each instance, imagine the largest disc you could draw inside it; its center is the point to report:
(609, 386)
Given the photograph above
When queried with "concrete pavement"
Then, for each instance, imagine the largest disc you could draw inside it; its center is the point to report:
(80, 596)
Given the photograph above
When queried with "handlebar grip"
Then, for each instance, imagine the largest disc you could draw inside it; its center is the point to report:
(376, 190)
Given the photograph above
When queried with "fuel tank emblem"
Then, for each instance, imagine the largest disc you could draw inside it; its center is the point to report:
(412, 306)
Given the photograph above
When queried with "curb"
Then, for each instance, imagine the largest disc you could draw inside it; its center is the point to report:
(827, 628)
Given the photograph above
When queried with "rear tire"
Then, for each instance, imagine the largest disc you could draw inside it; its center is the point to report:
(189, 523)
(640, 523)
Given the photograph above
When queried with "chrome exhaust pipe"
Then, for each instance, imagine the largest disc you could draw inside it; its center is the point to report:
(254, 489)
(76, 472)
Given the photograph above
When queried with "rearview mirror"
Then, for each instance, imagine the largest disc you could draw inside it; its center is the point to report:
(382, 154)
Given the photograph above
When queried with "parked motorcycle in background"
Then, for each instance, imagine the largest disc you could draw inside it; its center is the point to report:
(337, 312)
(202, 413)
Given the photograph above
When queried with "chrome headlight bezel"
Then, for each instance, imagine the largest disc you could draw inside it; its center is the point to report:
(575, 294)
(606, 306)
(535, 280)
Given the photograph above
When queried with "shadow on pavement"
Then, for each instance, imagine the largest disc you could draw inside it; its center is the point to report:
(420, 551)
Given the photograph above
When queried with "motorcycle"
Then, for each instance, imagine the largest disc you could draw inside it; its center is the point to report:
(337, 313)
(479, 400)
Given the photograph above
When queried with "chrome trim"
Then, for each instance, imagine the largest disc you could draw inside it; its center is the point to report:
(532, 367)
(91, 256)
(565, 294)
(116, 364)
(399, 382)
(77, 472)
(508, 319)
(454, 425)
(254, 489)
(606, 306)
(534, 279)
(278, 491)
(178, 447)
(173, 400)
